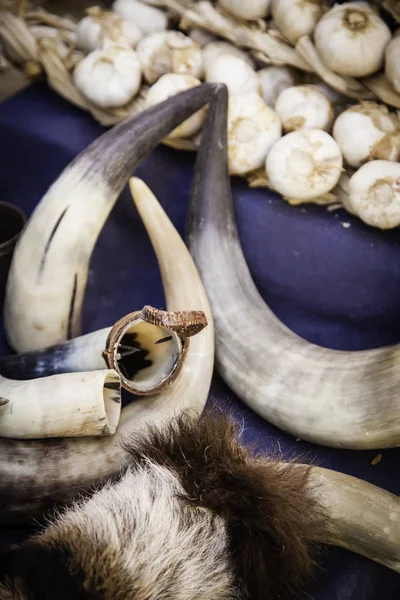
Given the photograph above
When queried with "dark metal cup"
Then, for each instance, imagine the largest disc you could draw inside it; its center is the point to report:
(12, 222)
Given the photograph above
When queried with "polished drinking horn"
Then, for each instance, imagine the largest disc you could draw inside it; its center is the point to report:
(146, 348)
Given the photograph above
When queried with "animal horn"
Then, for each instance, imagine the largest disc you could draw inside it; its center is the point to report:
(360, 517)
(36, 475)
(67, 405)
(49, 270)
(146, 348)
(329, 397)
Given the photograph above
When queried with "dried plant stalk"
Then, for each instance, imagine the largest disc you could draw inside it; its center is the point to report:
(383, 89)
(393, 7)
(18, 41)
(349, 86)
(42, 17)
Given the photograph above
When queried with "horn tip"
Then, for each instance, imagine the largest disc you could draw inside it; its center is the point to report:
(3, 401)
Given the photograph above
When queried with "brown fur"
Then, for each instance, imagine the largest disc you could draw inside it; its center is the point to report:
(274, 524)
(231, 526)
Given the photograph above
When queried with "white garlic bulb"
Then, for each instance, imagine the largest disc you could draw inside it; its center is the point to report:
(367, 131)
(237, 75)
(295, 19)
(99, 25)
(304, 164)
(201, 36)
(253, 128)
(351, 39)
(169, 85)
(276, 79)
(375, 194)
(304, 106)
(212, 51)
(109, 77)
(246, 9)
(148, 18)
(392, 62)
(169, 52)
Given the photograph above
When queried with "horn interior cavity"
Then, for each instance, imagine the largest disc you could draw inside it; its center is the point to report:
(112, 402)
(146, 356)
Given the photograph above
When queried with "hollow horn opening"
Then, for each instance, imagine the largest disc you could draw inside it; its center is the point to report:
(145, 355)
(112, 402)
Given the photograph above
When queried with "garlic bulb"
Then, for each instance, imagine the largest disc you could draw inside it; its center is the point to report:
(276, 79)
(169, 52)
(304, 106)
(351, 39)
(201, 36)
(294, 18)
(392, 62)
(109, 77)
(253, 127)
(99, 25)
(148, 18)
(304, 164)
(367, 131)
(237, 75)
(375, 193)
(212, 51)
(246, 9)
(169, 85)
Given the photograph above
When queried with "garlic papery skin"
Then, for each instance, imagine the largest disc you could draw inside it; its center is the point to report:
(237, 75)
(295, 19)
(304, 106)
(169, 52)
(304, 164)
(212, 51)
(375, 193)
(253, 128)
(392, 62)
(100, 25)
(274, 80)
(148, 18)
(109, 77)
(367, 131)
(246, 9)
(169, 85)
(351, 39)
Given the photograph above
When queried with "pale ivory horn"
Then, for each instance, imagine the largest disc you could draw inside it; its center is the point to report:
(146, 349)
(49, 270)
(329, 397)
(36, 475)
(361, 517)
(67, 405)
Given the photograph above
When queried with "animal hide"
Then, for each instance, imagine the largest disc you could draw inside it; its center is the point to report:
(196, 516)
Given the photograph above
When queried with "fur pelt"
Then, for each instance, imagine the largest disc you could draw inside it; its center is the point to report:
(196, 516)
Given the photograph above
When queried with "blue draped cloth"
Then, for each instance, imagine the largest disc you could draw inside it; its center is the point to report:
(326, 275)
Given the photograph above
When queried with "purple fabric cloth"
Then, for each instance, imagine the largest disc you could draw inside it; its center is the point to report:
(335, 285)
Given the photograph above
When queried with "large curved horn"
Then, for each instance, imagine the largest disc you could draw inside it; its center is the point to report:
(48, 274)
(35, 475)
(334, 398)
(361, 517)
(146, 348)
